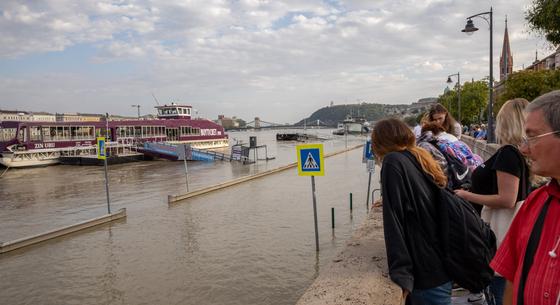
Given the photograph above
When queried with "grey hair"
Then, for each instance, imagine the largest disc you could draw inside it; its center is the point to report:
(549, 104)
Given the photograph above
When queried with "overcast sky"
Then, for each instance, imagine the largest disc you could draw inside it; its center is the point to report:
(276, 59)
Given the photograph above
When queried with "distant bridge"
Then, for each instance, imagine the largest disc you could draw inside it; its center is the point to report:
(257, 123)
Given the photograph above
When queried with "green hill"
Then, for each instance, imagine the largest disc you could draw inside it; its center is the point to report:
(332, 115)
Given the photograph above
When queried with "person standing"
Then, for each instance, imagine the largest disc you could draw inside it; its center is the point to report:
(502, 181)
(529, 256)
(409, 214)
(439, 114)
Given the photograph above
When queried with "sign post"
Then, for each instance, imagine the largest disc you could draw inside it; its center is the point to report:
(102, 155)
(311, 163)
(370, 165)
(186, 169)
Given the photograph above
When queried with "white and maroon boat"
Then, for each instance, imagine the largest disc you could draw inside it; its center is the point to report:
(24, 144)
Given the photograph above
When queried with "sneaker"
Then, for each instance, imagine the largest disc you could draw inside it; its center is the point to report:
(476, 298)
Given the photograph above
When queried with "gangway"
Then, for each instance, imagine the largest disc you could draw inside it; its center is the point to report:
(178, 151)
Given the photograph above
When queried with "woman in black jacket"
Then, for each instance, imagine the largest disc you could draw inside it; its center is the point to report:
(409, 215)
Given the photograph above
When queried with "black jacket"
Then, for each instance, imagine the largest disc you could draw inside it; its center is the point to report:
(409, 218)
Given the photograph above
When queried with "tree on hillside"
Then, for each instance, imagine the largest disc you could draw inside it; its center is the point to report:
(543, 17)
(474, 100)
(529, 85)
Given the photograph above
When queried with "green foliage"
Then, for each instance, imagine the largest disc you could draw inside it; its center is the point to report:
(544, 18)
(474, 100)
(529, 85)
(334, 114)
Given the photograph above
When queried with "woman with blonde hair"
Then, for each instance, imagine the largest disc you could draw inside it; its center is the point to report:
(409, 214)
(503, 180)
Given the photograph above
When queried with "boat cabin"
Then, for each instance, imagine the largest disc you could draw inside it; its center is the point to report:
(174, 111)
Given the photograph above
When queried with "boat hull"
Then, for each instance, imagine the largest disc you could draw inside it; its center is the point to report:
(8, 161)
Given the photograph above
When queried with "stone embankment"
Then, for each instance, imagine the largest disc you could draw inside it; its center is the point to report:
(359, 274)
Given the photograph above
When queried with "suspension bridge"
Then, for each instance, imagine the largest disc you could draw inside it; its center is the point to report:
(258, 123)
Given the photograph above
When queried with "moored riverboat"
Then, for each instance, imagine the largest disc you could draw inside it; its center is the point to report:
(24, 144)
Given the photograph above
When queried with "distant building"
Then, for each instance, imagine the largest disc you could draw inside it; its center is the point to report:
(42, 117)
(78, 117)
(89, 117)
(421, 106)
(67, 117)
(506, 59)
(551, 62)
(14, 115)
(227, 123)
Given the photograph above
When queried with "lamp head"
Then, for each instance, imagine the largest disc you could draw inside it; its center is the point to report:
(469, 27)
(449, 81)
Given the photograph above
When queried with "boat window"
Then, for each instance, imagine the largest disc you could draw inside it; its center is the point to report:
(83, 133)
(35, 133)
(58, 135)
(21, 134)
(46, 131)
(73, 132)
(7, 134)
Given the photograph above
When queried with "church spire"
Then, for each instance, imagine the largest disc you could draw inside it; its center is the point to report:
(506, 60)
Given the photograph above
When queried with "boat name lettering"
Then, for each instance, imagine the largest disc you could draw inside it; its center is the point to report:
(209, 132)
(44, 145)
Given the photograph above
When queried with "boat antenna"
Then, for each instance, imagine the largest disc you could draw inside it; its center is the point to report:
(155, 98)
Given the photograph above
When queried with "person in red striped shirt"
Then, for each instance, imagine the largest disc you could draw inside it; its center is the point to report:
(529, 256)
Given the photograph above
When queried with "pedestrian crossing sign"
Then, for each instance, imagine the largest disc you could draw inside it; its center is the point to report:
(310, 160)
(101, 149)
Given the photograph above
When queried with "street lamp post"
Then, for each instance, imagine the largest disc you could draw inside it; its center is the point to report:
(138, 107)
(449, 81)
(469, 29)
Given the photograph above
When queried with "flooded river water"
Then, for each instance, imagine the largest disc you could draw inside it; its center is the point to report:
(248, 244)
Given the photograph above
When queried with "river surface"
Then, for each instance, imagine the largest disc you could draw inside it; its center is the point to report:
(253, 243)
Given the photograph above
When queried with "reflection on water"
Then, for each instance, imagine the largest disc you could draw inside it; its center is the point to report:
(249, 244)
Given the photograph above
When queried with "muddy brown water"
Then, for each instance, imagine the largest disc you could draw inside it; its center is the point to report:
(248, 244)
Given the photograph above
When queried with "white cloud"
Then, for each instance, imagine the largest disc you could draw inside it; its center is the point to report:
(266, 57)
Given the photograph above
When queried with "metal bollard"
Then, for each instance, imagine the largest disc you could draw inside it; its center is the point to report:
(332, 217)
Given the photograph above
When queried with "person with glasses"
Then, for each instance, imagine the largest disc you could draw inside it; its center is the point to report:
(529, 256)
(502, 182)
